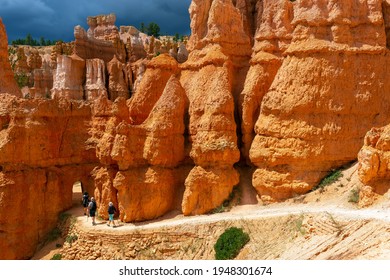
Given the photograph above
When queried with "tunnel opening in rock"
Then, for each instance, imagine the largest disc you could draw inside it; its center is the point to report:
(77, 193)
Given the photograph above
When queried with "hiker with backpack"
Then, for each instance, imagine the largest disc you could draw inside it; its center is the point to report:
(85, 202)
(92, 210)
(111, 212)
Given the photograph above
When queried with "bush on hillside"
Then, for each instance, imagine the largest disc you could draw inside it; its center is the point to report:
(230, 243)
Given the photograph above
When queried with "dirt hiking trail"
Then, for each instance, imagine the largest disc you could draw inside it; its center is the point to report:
(323, 224)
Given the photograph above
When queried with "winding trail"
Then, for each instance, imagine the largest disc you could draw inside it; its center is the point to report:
(247, 212)
(322, 224)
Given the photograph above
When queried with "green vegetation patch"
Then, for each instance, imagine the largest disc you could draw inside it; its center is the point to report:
(21, 79)
(230, 243)
(71, 238)
(56, 257)
(233, 200)
(332, 177)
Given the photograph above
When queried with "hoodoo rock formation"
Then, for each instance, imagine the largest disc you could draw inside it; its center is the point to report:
(120, 79)
(147, 149)
(374, 160)
(311, 119)
(287, 87)
(271, 39)
(102, 39)
(220, 50)
(69, 77)
(95, 85)
(7, 81)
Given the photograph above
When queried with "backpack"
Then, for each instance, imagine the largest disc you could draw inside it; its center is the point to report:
(85, 199)
(111, 209)
(92, 206)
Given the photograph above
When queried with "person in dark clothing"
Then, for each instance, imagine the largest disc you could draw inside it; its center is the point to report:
(111, 212)
(85, 202)
(92, 210)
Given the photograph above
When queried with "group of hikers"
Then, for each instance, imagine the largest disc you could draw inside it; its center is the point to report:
(90, 208)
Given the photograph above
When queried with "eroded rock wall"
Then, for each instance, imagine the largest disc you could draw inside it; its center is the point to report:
(7, 81)
(272, 37)
(147, 154)
(212, 78)
(69, 77)
(374, 160)
(289, 87)
(311, 119)
(101, 41)
(42, 154)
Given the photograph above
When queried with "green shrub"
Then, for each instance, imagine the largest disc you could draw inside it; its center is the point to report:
(54, 234)
(56, 257)
(230, 243)
(21, 79)
(71, 238)
(332, 177)
(233, 200)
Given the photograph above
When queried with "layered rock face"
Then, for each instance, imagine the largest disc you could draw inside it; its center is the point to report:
(289, 87)
(374, 160)
(43, 82)
(7, 81)
(135, 43)
(211, 79)
(69, 77)
(42, 154)
(146, 154)
(311, 118)
(271, 39)
(102, 39)
(120, 79)
(95, 85)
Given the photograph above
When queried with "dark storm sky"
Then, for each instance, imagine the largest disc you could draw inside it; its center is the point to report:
(55, 19)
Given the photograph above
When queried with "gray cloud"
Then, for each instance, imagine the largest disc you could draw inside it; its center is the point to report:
(55, 19)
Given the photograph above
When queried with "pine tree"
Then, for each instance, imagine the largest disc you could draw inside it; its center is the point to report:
(153, 29)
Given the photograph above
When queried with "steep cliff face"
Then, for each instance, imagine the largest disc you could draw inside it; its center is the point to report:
(272, 37)
(95, 84)
(69, 77)
(120, 79)
(145, 154)
(7, 81)
(311, 119)
(289, 87)
(43, 82)
(157, 73)
(212, 78)
(42, 154)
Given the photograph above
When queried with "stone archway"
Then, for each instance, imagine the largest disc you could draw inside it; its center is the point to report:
(77, 193)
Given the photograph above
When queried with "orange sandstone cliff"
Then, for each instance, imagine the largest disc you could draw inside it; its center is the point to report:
(7, 81)
(329, 91)
(374, 157)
